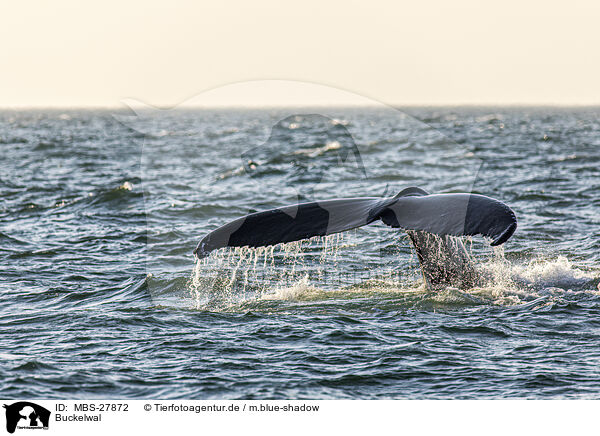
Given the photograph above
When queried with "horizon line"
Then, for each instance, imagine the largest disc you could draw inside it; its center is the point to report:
(288, 106)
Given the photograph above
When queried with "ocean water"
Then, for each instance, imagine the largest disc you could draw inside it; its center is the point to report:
(101, 297)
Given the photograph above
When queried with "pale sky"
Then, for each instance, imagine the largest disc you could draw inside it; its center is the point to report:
(96, 53)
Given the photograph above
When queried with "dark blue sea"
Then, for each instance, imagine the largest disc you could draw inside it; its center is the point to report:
(101, 296)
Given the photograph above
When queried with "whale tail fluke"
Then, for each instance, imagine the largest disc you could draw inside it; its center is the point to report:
(431, 222)
(412, 209)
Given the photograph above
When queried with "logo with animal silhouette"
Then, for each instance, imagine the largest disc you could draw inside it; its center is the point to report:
(26, 415)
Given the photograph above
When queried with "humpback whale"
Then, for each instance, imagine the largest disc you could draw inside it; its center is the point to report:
(433, 222)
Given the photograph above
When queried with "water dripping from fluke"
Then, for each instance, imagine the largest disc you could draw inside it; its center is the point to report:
(310, 270)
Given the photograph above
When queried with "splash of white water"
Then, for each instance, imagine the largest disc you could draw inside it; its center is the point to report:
(230, 275)
(284, 272)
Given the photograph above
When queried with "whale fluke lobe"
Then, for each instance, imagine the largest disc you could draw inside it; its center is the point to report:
(412, 209)
(290, 223)
(451, 215)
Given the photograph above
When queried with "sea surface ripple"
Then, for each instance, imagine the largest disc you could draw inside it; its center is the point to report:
(100, 296)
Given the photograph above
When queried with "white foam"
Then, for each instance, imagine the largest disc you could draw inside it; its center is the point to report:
(538, 273)
(298, 291)
(236, 276)
(559, 272)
